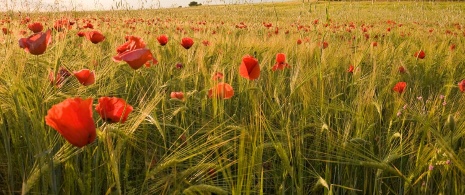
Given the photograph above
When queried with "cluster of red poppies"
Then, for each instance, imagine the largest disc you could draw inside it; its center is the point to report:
(135, 53)
(72, 118)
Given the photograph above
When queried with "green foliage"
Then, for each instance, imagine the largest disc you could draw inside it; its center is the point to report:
(194, 3)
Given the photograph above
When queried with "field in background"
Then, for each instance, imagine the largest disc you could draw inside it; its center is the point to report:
(314, 128)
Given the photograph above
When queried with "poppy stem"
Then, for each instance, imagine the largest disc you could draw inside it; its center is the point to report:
(128, 92)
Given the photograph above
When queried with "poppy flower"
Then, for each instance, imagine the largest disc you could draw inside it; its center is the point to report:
(280, 62)
(177, 95)
(113, 109)
(462, 86)
(217, 75)
(187, 42)
(299, 41)
(323, 45)
(452, 47)
(401, 69)
(420, 54)
(85, 77)
(206, 42)
(222, 90)
(179, 65)
(249, 68)
(81, 34)
(132, 43)
(5, 31)
(88, 25)
(351, 69)
(95, 36)
(136, 58)
(162, 39)
(60, 77)
(37, 43)
(35, 27)
(62, 25)
(374, 44)
(400, 87)
(72, 118)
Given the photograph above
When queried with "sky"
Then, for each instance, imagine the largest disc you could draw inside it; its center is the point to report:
(79, 5)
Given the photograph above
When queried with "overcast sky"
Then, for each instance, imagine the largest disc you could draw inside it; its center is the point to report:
(34, 5)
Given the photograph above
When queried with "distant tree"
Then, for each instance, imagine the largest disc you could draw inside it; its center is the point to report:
(194, 3)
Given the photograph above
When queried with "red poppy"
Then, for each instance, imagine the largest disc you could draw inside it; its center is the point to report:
(452, 47)
(162, 39)
(217, 75)
(136, 58)
(95, 36)
(280, 58)
(37, 43)
(323, 44)
(351, 69)
(177, 95)
(367, 36)
(81, 34)
(206, 42)
(374, 44)
(249, 68)
(85, 77)
(187, 42)
(419, 54)
(5, 31)
(280, 62)
(62, 25)
(35, 27)
(222, 90)
(60, 78)
(132, 43)
(88, 25)
(299, 41)
(72, 118)
(462, 86)
(401, 69)
(400, 87)
(113, 109)
(179, 65)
